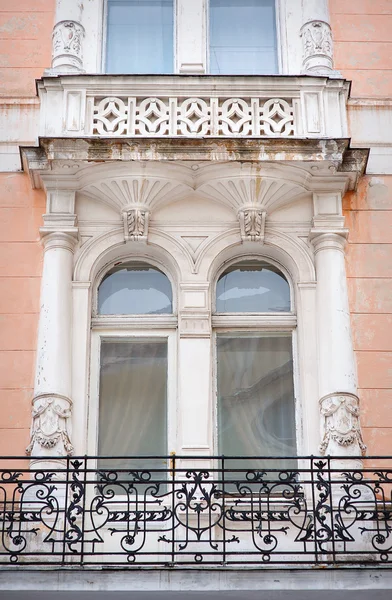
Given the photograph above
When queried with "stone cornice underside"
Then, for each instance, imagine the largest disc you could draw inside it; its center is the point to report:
(53, 153)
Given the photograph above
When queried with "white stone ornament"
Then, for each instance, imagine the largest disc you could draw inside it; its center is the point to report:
(252, 224)
(136, 224)
(208, 116)
(341, 426)
(67, 46)
(50, 426)
(317, 47)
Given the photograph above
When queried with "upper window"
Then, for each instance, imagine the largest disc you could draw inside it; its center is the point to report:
(139, 36)
(135, 289)
(252, 287)
(243, 37)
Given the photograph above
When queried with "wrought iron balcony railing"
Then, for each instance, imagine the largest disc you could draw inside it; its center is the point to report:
(177, 511)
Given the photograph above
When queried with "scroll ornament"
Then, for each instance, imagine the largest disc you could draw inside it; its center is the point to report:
(50, 428)
(340, 414)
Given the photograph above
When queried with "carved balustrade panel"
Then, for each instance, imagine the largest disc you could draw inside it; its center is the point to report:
(215, 117)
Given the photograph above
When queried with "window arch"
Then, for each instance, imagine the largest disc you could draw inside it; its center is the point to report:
(255, 375)
(135, 288)
(252, 286)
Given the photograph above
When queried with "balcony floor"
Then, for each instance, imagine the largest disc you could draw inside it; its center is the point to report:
(198, 584)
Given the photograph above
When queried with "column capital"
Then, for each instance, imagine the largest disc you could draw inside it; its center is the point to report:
(66, 240)
(324, 239)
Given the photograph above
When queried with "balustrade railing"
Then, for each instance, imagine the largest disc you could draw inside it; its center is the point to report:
(181, 511)
(178, 106)
(192, 117)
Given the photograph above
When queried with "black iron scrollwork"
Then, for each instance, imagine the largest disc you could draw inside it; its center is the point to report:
(225, 513)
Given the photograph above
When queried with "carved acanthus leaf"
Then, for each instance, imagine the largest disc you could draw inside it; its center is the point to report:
(136, 224)
(252, 224)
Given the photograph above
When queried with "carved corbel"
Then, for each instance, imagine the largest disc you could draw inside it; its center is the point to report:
(341, 426)
(252, 224)
(136, 224)
(51, 424)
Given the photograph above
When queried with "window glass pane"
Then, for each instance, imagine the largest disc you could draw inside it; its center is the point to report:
(252, 287)
(255, 395)
(136, 289)
(243, 37)
(133, 402)
(139, 36)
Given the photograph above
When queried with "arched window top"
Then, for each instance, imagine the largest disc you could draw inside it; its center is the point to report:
(250, 287)
(135, 289)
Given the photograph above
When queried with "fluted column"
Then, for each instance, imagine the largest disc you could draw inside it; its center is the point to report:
(339, 403)
(52, 404)
(316, 37)
(68, 34)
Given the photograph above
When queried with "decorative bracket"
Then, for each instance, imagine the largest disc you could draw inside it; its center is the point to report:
(136, 224)
(341, 426)
(252, 224)
(51, 424)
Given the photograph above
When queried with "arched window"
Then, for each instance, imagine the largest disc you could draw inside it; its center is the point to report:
(255, 388)
(252, 287)
(132, 339)
(135, 289)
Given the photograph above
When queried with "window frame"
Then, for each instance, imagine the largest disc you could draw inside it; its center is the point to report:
(281, 26)
(122, 327)
(132, 319)
(249, 323)
(105, 37)
(279, 35)
(127, 332)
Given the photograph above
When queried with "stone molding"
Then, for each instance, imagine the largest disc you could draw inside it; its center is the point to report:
(340, 421)
(328, 240)
(68, 46)
(51, 424)
(66, 240)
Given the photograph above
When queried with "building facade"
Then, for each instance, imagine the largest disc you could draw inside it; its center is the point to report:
(196, 290)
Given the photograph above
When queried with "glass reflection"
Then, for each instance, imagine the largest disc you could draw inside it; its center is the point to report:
(135, 290)
(133, 403)
(243, 37)
(139, 36)
(252, 287)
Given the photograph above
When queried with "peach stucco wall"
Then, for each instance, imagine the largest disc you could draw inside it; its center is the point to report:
(362, 33)
(21, 210)
(369, 268)
(25, 51)
(25, 44)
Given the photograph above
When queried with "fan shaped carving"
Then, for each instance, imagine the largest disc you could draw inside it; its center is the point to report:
(266, 192)
(120, 192)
